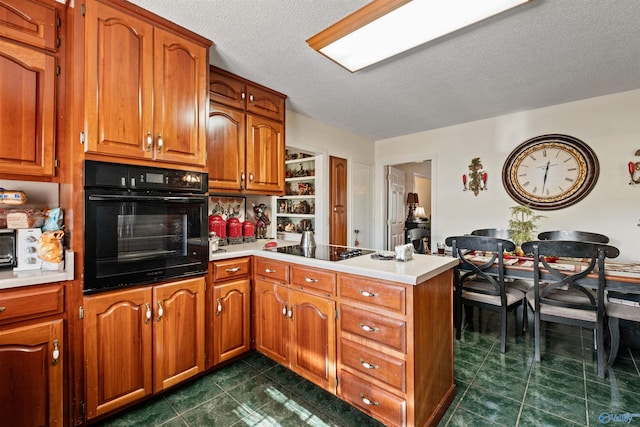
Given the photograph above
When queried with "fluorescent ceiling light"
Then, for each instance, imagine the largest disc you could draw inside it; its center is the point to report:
(384, 28)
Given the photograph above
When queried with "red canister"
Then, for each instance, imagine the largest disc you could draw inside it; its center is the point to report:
(248, 231)
(234, 230)
(219, 225)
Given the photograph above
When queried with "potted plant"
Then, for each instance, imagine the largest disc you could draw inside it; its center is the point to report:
(522, 225)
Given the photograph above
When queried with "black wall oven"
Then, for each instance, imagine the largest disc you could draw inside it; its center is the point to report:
(142, 225)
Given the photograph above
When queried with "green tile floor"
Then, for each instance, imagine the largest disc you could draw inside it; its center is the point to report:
(492, 389)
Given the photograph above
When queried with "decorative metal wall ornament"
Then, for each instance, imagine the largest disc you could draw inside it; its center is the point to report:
(477, 177)
(633, 168)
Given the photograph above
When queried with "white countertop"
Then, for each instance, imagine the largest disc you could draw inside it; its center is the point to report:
(413, 272)
(13, 279)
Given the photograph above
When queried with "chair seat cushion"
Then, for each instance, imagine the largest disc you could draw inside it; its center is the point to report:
(570, 296)
(513, 295)
(521, 285)
(622, 311)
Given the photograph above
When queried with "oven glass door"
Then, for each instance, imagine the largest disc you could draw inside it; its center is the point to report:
(143, 239)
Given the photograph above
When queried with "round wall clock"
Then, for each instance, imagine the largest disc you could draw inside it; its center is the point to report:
(550, 172)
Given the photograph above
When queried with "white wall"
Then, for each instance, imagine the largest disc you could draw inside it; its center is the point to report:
(610, 125)
(308, 134)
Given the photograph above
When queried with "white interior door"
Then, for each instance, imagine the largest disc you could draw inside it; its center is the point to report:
(395, 207)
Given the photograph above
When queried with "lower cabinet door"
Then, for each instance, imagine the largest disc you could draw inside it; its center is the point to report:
(117, 348)
(272, 323)
(179, 332)
(313, 338)
(31, 373)
(231, 331)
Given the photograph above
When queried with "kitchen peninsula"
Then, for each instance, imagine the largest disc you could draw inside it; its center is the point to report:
(376, 333)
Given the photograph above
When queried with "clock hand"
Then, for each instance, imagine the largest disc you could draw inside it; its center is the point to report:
(546, 170)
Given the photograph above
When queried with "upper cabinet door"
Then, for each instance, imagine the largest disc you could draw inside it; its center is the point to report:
(27, 110)
(180, 98)
(29, 22)
(265, 155)
(265, 103)
(227, 91)
(225, 148)
(119, 83)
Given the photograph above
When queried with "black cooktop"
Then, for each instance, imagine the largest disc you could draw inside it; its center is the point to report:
(323, 252)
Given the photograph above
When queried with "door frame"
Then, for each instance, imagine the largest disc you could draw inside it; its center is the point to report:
(380, 197)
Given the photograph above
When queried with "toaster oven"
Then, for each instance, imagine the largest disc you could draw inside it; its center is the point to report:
(7, 248)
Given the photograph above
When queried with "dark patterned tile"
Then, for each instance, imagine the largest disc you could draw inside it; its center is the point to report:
(465, 372)
(221, 411)
(283, 376)
(317, 397)
(232, 375)
(557, 403)
(259, 361)
(260, 391)
(153, 413)
(613, 396)
(494, 407)
(193, 394)
(600, 414)
(175, 422)
(535, 417)
(559, 381)
(556, 362)
(464, 418)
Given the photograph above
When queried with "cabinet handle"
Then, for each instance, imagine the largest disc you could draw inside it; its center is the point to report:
(368, 402)
(268, 270)
(149, 140)
(243, 96)
(310, 280)
(232, 270)
(56, 353)
(368, 365)
(160, 143)
(250, 177)
(290, 312)
(3, 309)
(160, 311)
(242, 180)
(368, 294)
(368, 328)
(219, 309)
(251, 98)
(148, 319)
(284, 310)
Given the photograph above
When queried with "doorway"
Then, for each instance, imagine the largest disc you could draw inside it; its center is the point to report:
(403, 178)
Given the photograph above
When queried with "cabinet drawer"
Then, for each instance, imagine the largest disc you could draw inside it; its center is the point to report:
(29, 22)
(265, 103)
(385, 330)
(373, 400)
(312, 278)
(32, 301)
(229, 268)
(380, 294)
(227, 90)
(272, 270)
(372, 363)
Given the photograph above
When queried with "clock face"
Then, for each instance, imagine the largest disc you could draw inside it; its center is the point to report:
(550, 172)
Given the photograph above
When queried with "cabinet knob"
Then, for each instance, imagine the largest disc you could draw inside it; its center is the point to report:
(3, 309)
(290, 312)
(160, 311)
(310, 280)
(368, 402)
(250, 177)
(149, 140)
(219, 308)
(368, 294)
(232, 270)
(368, 365)
(268, 270)
(56, 353)
(284, 310)
(148, 318)
(251, 98)
(160, 143)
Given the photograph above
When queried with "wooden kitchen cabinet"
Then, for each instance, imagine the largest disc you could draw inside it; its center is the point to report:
(31, 374)
(229, 310)
(245, 137)
(140, 341)
(28, 87)
(296, 328)
(148, 101)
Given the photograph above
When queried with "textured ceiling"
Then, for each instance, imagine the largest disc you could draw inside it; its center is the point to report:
(543, 53)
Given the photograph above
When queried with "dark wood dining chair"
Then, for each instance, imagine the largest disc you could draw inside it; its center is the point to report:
(482, 283)
(416, 237)
(619, 305)
(577, 236)
(563, 298)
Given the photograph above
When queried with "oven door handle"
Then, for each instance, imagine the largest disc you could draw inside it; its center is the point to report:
(121, 197)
